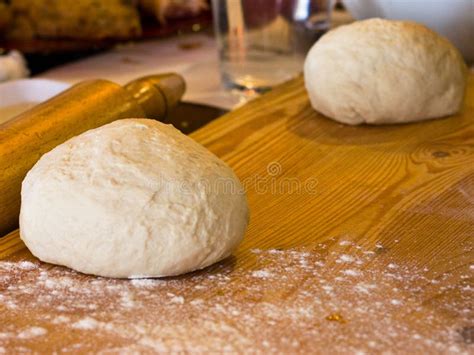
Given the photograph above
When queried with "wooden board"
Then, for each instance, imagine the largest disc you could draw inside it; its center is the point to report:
(360, 240)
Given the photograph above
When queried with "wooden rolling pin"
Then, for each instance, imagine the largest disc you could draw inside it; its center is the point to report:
(90, 104)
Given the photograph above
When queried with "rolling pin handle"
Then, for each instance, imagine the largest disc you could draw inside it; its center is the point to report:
(157, 94)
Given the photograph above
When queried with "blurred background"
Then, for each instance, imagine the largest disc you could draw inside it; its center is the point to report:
(228, 51)
(52, 32)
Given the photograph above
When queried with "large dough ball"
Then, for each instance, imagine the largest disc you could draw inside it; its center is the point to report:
(134, 198)
(380, 71)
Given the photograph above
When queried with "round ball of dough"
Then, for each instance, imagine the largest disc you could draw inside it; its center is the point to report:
(134, 198)
(379, 71)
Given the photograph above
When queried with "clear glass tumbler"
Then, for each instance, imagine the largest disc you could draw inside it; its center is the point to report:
(264, 42)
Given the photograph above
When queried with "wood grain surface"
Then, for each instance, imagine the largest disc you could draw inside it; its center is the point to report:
(360, 240)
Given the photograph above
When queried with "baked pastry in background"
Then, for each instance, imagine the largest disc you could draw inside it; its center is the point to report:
(74, 19)
(5, 15)
(88, 19)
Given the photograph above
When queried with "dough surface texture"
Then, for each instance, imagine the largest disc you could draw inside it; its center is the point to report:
(380, 71)
(134, 198)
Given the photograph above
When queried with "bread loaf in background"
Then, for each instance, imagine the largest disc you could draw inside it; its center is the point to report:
(78, 19)
(5, 15)
(88, 19)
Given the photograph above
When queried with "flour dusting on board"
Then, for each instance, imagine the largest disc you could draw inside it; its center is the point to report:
(298, 300)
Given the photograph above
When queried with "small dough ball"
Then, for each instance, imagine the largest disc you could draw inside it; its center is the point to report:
(380, 71)
(134, 198)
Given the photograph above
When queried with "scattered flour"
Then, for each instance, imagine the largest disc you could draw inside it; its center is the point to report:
(177, 299)
(292, 301)
(85, 324)
(344, 258)
(32, 332)
(60, 319)
(144, 282)
(126, 300)
(351, 272)
(261, 274)
(27, 265)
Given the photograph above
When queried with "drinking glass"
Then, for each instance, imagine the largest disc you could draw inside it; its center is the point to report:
(264, 42)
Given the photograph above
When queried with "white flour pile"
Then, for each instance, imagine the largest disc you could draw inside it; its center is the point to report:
(291, 301)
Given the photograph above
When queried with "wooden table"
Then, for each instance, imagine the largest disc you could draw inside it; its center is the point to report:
(360, 240)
